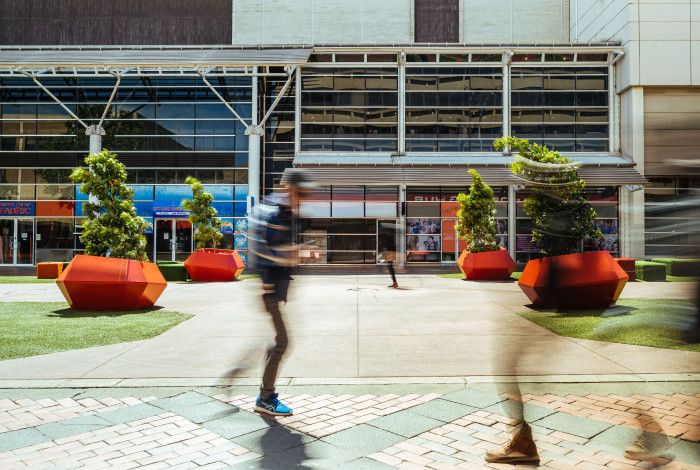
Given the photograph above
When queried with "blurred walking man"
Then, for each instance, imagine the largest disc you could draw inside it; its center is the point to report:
(273, 234)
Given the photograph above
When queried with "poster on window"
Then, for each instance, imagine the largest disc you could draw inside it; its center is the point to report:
(449, 235)
(423, 227)
(423, 243)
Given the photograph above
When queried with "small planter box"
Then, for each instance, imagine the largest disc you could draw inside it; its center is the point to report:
(628, 265)
(94, 283)
(650, 271)
(49, 270)
(486, 266)
(173, 271)
(211, 265)
(679, 267)
(581, 280)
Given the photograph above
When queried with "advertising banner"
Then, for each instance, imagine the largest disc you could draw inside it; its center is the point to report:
(17, 208)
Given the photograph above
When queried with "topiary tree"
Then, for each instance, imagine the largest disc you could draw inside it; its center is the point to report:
(112, 228)
(207, 232)
(477, 225)
(562, 217)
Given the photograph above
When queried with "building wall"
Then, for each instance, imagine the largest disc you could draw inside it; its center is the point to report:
(671, 130)
(392, 21)
(515, 21)
(103, 22)
(322, 21)
(661, 38)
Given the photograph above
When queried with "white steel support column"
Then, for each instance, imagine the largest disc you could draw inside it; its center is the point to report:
(402, 226)
(507, 59)
(512, 214)
(254, 133)
(613, 123)
(632, 223)
(402, 103)
(297, 113)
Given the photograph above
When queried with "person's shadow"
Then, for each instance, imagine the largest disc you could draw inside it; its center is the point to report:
(282, 449)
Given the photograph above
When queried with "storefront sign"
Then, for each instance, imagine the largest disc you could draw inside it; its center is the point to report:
(169, 209)
(525, 244)
(16, 208)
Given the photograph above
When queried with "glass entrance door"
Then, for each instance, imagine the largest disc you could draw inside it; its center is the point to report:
(387, 239)
(173, 240)
(16, 241)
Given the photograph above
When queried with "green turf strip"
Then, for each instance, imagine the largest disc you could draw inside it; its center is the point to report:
(24, 280)
(515, 276)
(33, 328)
(657, 323)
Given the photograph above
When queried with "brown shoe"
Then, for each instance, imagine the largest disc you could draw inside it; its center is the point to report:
(640, 451)
(520, 450)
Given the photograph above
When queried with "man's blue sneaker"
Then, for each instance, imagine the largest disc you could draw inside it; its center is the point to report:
(272, 406)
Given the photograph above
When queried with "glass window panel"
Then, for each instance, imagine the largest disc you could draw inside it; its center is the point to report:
(381, 209)
(348, 209)
(63, 192)
(143, 192)
(423, 209)
(173, 192)
(315, 209)
(220, 192)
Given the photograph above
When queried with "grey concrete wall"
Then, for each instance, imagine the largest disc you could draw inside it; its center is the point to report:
(661, 37)
(322, 21)
(515, 21)
(391, 21)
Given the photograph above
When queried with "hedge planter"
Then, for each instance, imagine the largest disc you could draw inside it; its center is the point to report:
(49, 270)
(487, 265)
(679, 266)
(97, 283)
(210, 265)
(650, 272)
(581, 280)
(173, 271)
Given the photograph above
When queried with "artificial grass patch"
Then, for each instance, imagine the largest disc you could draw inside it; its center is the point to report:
(33, 328)
(515, 276)
(24, 280)
(645, 322)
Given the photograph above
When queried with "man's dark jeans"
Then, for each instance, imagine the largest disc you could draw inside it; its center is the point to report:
(275, 287)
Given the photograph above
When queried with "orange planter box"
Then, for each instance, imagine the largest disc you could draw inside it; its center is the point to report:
(581, 280)
(211, 265)
(48, 270)
(486, 266)
(96, 283)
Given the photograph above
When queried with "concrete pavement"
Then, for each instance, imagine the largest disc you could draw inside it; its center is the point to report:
(353, 327)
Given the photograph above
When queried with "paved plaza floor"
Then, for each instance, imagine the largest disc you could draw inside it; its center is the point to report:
(354, 327)
(418, 378)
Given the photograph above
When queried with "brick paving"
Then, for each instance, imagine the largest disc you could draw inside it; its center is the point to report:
(463, 443)
(166, 439)
(675, 415)
(162, 441)
(322, 415)
(27, 413)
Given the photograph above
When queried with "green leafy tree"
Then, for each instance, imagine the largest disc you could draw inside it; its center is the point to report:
(477, 225)
(112, 227)
(207, 232)
(562, 217)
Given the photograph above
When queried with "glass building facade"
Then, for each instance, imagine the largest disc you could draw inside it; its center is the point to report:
(163, 129)
(341, 105)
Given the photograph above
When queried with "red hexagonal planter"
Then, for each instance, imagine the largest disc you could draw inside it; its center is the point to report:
(486, 266)
(582, 280)
(210, 265)
(97, 283)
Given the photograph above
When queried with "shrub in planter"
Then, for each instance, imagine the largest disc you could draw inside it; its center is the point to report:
(113, 274)
(208, 263)
(650, 271)
(562, 218)
(483, 259)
